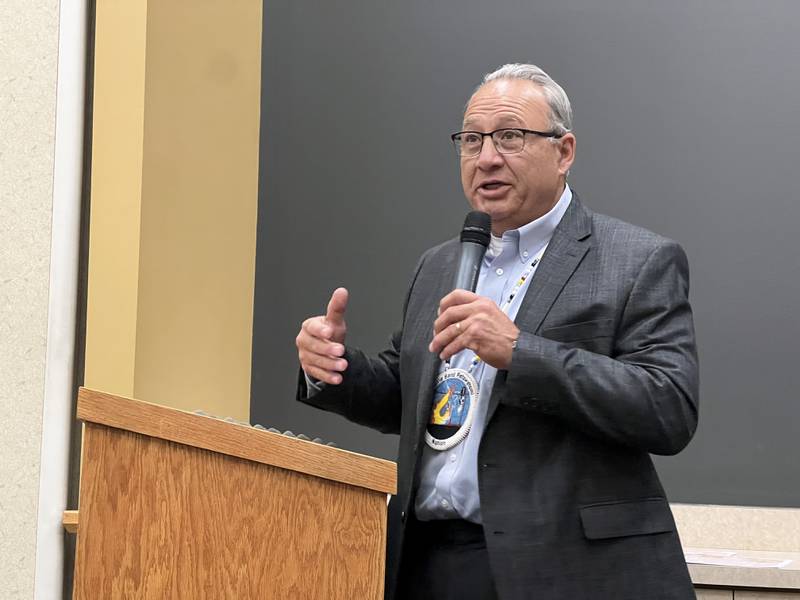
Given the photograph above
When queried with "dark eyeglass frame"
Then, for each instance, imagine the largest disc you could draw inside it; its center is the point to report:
(491, 134)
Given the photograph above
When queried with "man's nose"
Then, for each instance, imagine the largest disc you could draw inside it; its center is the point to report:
(489, 157)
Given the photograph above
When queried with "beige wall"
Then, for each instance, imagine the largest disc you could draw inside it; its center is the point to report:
(210, 296)
(28, 63)
(174, 202)
(738, 527)
(199, 205)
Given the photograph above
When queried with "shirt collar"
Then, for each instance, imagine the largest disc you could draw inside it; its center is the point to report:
(529, 239)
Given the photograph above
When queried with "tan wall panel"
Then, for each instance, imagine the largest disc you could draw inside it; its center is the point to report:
(174, 202)
(738, 527)
(199, 205)
(117, 142)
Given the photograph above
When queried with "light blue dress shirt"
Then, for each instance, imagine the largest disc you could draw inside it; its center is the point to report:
(449, 479)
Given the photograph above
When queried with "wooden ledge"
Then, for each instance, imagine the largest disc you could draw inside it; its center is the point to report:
(734, 576)
(70, 521)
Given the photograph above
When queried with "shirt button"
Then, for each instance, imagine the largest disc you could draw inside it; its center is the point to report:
(445, 504)
(525, 254)
(453, 458)
(499, 271)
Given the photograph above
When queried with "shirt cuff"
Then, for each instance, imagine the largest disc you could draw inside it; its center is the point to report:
(314, 385)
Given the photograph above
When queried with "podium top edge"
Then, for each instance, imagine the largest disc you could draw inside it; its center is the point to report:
(240, 441)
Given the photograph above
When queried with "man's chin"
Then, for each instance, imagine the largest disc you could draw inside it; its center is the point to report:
(490, 205)
(498, 210)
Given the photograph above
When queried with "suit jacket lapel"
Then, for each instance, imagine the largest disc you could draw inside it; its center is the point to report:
(431, 362)
(567, 248)
(563, 255)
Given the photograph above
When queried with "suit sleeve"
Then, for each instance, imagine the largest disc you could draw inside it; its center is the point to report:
(369, 393)
(646, 394)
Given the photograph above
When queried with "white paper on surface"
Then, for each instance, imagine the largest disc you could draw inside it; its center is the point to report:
(729, 558)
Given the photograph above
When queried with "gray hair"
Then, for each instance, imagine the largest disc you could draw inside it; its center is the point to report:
(557, 99)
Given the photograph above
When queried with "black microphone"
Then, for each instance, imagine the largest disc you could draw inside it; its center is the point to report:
(474, 239)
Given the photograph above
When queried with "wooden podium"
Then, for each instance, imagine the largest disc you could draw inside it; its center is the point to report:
(177, 505)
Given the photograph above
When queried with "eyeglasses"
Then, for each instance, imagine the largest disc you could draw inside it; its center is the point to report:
(509, 140)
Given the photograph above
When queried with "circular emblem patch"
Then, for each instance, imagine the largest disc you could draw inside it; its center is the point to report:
(454, 402)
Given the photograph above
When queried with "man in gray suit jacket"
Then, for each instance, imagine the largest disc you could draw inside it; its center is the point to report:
(587, 365)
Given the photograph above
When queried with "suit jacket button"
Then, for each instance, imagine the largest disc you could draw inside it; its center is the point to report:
(403, 516)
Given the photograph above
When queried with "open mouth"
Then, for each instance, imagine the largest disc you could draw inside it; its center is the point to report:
(491, 186)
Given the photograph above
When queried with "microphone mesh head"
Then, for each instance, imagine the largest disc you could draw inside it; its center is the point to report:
(477, 228)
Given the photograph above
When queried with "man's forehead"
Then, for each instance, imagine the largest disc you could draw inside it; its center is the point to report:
(506, 99)
(504, 119)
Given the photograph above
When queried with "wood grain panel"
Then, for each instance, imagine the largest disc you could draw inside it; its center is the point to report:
(165, 520)
(245, 442)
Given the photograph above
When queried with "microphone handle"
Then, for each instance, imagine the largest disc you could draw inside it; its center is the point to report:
(469, 264)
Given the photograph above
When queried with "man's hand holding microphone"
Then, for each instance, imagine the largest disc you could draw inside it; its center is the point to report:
(466, 320)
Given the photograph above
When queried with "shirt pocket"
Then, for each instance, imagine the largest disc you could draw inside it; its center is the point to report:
(626, 518)
(576, 332)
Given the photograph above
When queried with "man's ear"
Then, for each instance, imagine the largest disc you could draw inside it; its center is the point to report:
(566, 149)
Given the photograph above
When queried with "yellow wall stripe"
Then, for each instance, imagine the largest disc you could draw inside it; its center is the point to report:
(116, 189)
(198, 180)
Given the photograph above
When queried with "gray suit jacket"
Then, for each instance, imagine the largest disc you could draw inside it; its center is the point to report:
(604, 374)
